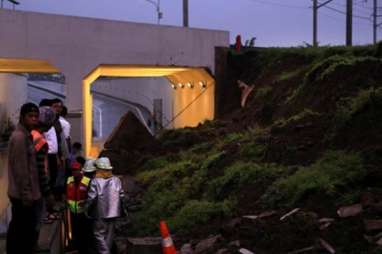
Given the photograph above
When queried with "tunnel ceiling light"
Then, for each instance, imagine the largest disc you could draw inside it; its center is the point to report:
(173, 86)
(202, 84)
(181, 85)
(190, 85)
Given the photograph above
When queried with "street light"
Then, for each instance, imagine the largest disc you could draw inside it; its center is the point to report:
(11, 1)
(157, 7)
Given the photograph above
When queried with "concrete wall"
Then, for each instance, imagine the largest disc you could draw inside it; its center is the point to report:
(77, 45)
(13, 93)
(4, 202)
(36, 95)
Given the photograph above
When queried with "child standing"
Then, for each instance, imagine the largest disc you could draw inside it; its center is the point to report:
(76, 193)
(104, 203)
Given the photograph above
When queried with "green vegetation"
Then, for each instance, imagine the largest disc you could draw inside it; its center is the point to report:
(349, 106)
(290, 74)
(262, 92)
(196, 212)
(295, 118)
(328, 176)
(239, 175)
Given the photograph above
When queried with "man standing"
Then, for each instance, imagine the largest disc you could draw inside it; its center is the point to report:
(24, 187)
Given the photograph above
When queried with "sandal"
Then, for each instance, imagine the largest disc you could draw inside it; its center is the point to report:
(53, 216)
(46, 220)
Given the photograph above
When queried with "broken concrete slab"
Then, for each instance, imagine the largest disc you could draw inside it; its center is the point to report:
(245, 251)
(251, 217)
(350, 211)
(373, 225)
(325, 223)
(145, 240)
(325, 245)
(222, 251)
(310, 248)
(235, 243)
(261, 215)
(289, 214)
(207, 244)
(186, 249)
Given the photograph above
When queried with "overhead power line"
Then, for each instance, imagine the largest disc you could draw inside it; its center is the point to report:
(280, 4)
(343, 12)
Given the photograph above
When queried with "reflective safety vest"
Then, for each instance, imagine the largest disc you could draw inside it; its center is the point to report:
(38, 140)
(76, 194)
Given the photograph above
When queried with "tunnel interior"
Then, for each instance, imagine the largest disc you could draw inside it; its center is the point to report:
(189, 91)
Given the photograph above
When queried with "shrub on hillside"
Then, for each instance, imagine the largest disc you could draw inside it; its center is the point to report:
(239, 175)
(335, 170)
(198, 212)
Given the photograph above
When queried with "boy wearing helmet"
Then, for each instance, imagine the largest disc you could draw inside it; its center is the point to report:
(76, 194)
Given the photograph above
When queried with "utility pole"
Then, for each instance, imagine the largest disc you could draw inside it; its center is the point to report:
(315, 10)
(157, 7)
(349, 22)
(185, 13)
(375, 25)
(317, 6)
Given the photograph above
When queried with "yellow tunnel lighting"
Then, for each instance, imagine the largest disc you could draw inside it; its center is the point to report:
(188, 110)
(19, 65)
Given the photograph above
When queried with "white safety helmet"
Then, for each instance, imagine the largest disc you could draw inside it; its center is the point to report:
(103, 163)
(89, 166)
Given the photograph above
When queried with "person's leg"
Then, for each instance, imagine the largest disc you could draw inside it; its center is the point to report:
(52, 165)
(37, 214)
(88, 233)
(22, 228)
(99, 229)
(83, 235)
(14, 228)
(110, 225)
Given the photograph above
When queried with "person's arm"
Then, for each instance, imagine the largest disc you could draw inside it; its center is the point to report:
(92, 197)
(122, 199)
(41, 160)
(19, 163)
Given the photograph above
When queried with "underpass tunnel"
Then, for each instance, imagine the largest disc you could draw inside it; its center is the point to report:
(191, 94)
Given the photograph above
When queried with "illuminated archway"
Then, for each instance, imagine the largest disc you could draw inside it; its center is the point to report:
(12, 65)
(193, 94)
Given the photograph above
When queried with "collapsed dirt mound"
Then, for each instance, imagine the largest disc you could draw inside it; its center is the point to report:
(128, 141)
(308, 137)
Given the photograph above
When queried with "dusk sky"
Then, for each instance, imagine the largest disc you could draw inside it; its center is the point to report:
(273, 22)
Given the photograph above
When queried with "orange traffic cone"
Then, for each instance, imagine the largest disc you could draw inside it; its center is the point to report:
(167, 243)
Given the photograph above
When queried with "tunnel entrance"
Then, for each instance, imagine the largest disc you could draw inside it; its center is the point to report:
(190, 90)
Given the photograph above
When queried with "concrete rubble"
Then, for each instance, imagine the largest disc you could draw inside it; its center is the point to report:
(289, 214)
(207, 244)
(350, 211)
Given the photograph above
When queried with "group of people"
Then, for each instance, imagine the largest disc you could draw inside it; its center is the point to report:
(47, 175)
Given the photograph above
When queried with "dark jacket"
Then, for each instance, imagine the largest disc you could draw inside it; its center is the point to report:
(23, 175)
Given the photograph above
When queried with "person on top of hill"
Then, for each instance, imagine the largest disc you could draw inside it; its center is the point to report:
(104, 204)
